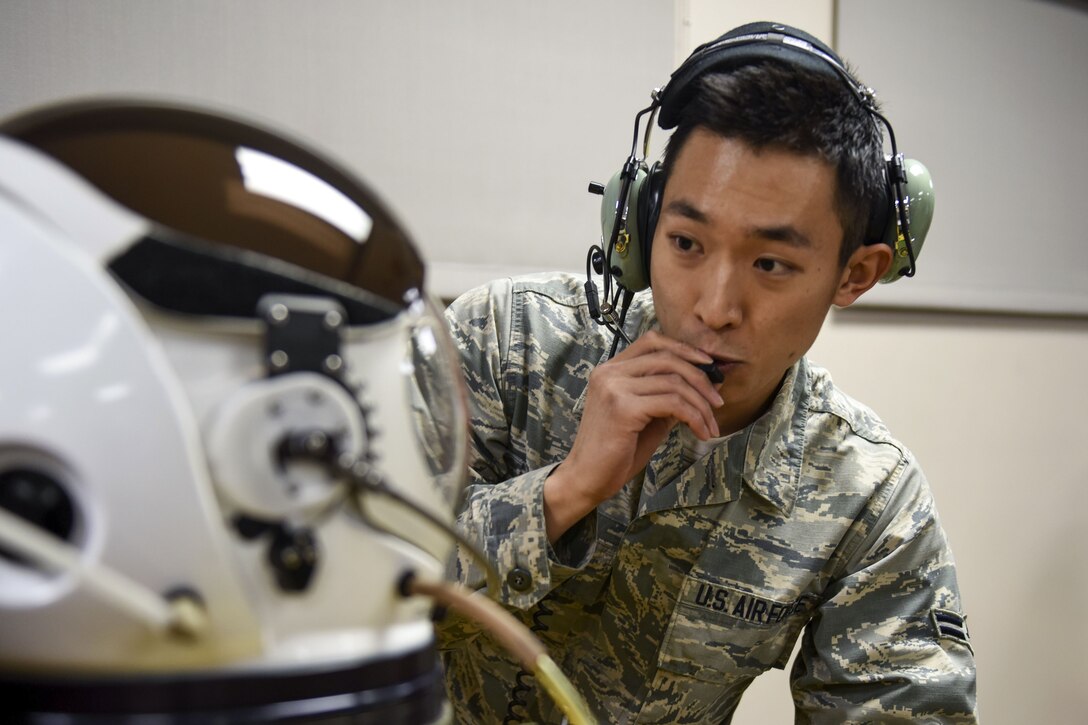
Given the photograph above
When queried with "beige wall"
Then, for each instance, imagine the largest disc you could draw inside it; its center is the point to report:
(994, 408)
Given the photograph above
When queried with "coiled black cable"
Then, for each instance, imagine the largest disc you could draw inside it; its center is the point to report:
(518, 709)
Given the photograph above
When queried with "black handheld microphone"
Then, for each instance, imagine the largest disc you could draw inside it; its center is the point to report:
(712, 372)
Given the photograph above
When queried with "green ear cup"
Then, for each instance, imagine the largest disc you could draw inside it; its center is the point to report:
(919, 198)
(627, 264)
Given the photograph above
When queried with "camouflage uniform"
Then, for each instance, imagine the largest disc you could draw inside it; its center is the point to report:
(694, 579)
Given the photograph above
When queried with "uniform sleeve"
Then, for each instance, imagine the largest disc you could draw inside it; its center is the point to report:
(889, 642)
(503, 509)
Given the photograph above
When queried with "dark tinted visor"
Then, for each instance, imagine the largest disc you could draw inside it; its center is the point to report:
(236, 191)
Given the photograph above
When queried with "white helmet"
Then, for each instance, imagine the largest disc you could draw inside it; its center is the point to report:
(215, 466)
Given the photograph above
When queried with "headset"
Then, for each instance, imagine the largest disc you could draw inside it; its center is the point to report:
(632, 198)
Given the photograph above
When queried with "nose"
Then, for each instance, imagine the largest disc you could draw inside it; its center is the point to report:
(719, 298)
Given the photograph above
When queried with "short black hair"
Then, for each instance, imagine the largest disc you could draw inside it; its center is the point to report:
(772, 105)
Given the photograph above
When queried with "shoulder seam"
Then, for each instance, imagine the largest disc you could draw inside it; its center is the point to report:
(873, 514)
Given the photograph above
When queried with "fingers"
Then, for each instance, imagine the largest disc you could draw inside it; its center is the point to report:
(632, 402)
(657, 396)
(656, 355)
(657, 378)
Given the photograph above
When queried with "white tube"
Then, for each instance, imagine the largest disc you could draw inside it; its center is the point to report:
(113, 587)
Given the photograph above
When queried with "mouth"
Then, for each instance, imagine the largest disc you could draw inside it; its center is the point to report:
(721, 361)
(721, 365)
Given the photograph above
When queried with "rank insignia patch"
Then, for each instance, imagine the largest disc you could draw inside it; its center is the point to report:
(951, 625)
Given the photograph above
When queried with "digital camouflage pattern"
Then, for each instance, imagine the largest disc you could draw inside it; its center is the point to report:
(696, 578)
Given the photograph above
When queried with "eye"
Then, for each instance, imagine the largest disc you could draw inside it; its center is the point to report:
(772, 266)
(684, 244)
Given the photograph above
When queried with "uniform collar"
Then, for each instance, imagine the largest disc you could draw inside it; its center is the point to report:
(766, 456)
(776, 442)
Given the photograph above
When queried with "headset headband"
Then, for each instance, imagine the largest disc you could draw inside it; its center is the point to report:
(749, 43)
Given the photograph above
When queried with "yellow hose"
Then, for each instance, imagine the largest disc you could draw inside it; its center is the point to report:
(513, 635)
(562, 691)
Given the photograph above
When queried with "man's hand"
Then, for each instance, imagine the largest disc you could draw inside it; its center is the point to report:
(631, 404)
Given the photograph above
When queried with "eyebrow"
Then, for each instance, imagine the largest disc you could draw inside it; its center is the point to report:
(685, 209)
(786, 234)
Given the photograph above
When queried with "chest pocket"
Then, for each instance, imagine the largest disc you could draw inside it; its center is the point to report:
(720, 631)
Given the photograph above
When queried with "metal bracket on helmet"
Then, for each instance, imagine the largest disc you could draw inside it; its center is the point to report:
(302, 334)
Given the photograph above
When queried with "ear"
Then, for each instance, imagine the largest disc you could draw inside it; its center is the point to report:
(866, 266)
